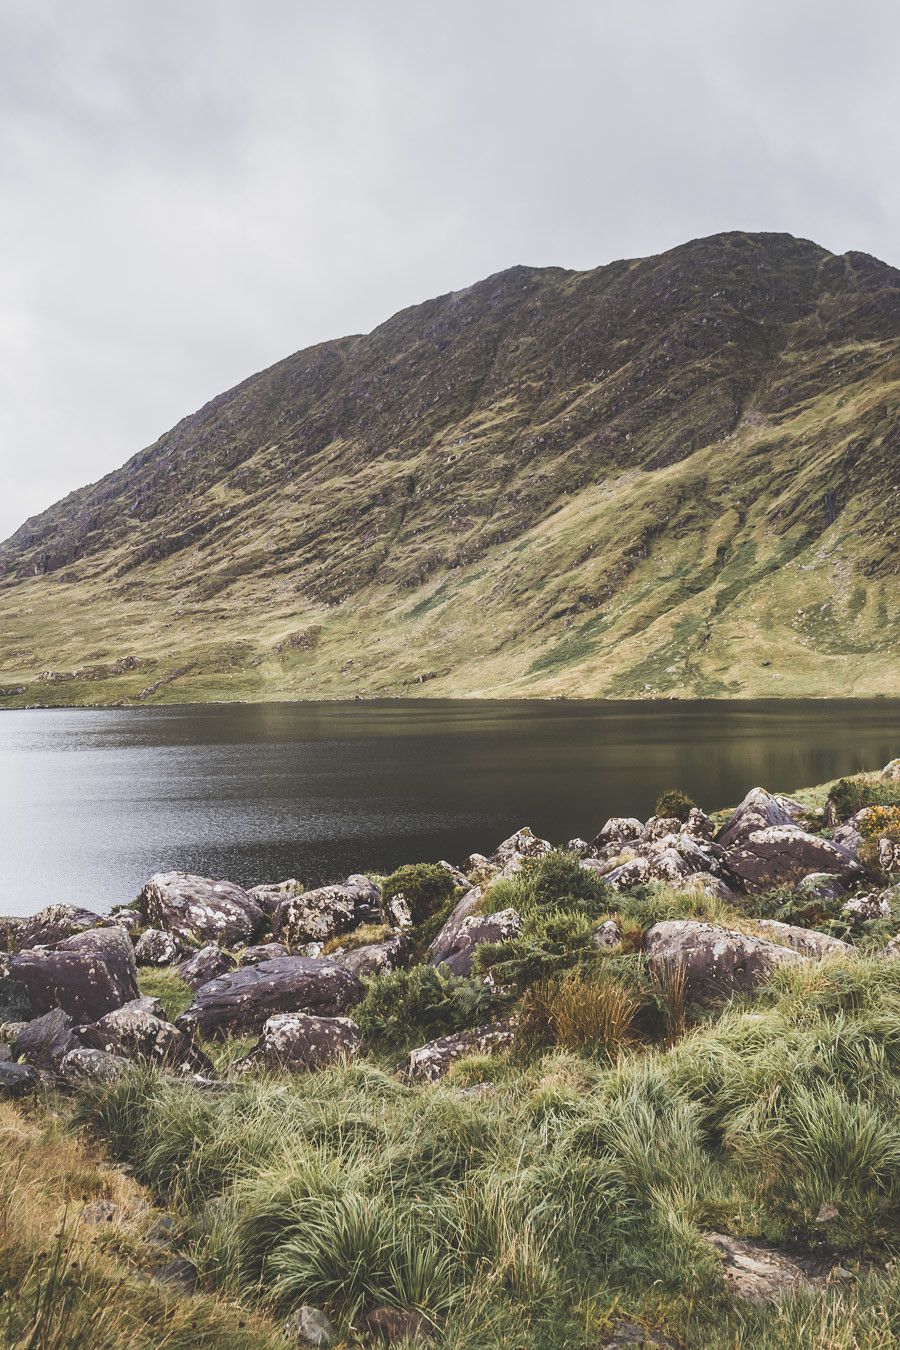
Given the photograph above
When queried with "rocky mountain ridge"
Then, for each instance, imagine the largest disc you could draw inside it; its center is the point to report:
(675, 475)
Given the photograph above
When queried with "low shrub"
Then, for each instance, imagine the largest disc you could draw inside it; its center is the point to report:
(593, 1016)
(405, 1008)
(850, 795)
(550, 943)
(425, 887)
(673, 802)
(560, 881)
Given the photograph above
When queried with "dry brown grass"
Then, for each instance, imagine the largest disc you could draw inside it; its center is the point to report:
(576, 1014)
(668, 979)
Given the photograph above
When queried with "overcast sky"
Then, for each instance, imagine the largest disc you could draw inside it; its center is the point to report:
(192, 189)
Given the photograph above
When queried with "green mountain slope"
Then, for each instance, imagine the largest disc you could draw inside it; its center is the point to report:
(678, 475)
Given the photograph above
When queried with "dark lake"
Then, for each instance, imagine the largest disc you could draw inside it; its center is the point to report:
(92, 802)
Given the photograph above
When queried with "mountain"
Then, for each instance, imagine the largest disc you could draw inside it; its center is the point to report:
(676, 475)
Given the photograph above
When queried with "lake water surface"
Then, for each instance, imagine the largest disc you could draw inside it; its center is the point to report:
(92, 802)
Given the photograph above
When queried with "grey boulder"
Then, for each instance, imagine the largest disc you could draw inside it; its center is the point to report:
(267, 951)
(758, 811)
(329, 911)
(808, 941)
(86, 975)
(86, 1065)
(430, 1062)
(17, 1079)
(475, 930)
(717, 962)
(301, 1041)
(55, 923)
(200, 909)
(205, 965)
(309, 1326)
(374, 958)
(155, 947)
(781, 855)
(270, 895)
(445, 941)
(247, 997)
(43, 1042)
(134, 1033)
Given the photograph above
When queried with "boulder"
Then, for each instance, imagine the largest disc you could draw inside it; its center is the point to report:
(431, 1061)
(758, 811)
(808, 941)
(155, 947)
(129, 919)
(759, 1273)
(658, 861)
(316, 916)
(395, 1325)
(523, 844)
(657, 827)
(200, 910)
(475, 930)
(459, 878)
(698, 824)
(374, 958)
(607, 935)
(300, 1041)
(781, 855)
(891, 951)
(397, 911)
(56, 922)
(10, 930)
(888, 855)
(848, 836)
(17, 1079)
(246, 998)
(270, 896)
(44, 1041)
(205, 965)
(580, 847)
(862, 909)
(86, 975)
(704, 883)
(717, 961)
(891, 771)
(443, 944)
(309, 1326)
(821, 886)
(85, 1065)
(617, 831)
(266, 951)
(134, 1033)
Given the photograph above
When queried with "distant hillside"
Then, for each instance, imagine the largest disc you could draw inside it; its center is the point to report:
(677, 475)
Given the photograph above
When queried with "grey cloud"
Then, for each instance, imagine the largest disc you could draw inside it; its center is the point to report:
(190, 191)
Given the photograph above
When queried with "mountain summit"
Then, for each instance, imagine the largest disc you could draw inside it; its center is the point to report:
(676, 475)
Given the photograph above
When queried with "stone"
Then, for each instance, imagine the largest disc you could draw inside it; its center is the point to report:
(129, 919)
(374, 958)
(397, 1324)
(809, 941)
(86, 975)
(397, 911)
(848, 837)
(475, 930)
(157, 948)
(300, 1041)
(17, 1079)
(443, 944)
(135, 1033)
(246, 998)
(178, 1273)
(624, 1334)
(617, 831)
(56, 922)
(860, 909)
(891, 951)
(270, 896)
(309, 1326)
(316, 916)
(267, 951)
(459, 878)
(888, 854)
(657, 827)
(698, 824)
(43, 1042)
(821, 886)
(478, 869)
(86, 1065)
(758, 1272)
(704, 883)
(580, 847)
(205, 965)
(781, 855)
(199, 909)
(607, 934)
(717, 961)
(523, 844)
(891, 771)
(429, 1062)
(10, 929)
(758, 811)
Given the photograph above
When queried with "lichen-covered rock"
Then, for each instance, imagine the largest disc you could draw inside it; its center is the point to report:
(891, 950)
(10, 930)
(523, 844)
(86, 1065)
(759, 1273)
(607, 934)
(431, 1061)
(309, 1326)
(704, 883)
(891, 771)
(475, 930)
(397, 911)
(44, 1041)
(86, 975)
(617, 831)
(135, 1033)
(717, 962)
(821, 886)
(860, 909)
(247, 997)
(698, 824)
(478, 869)
(316, 916)
(660, 860)
(199, 909)
(205, 965)
(266, 951)
(302, 1041)
(657, 827)
(129, 919)
(17, 1079)
(374, 958)
(806, 940)
(580, 847)
(888, 854)
(443, 943)
(270, 895)
(56, 922)
(155, 947)
(848, 836)
(758, 811)
(781, 855)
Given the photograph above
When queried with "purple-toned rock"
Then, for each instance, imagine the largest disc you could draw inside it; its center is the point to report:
(129, 919)
(443, 944)
(375, 958)
(44, 1041)
(758, 811)
(475, 930)
(808, 941)
(134, 1033)
(523, 844)
(316, 916)
(86, 975)
(155, 947)
(301, 1041)
(247, 997)
(266, 951)
(782, 855)
(199, 909)
(617, 831)
(270, 895)
(431, 1061)
(657, 827)
(207, 963)
(717, 962)
(55, 923)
